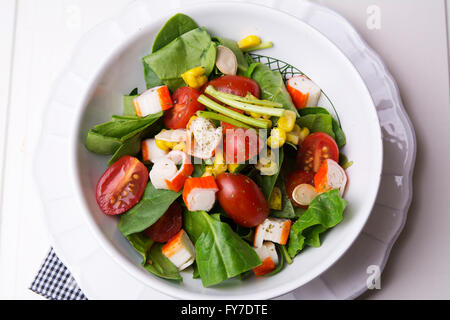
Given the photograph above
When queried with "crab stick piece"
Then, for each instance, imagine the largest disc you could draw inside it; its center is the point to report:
(162, 169)
(202, 138)
(166, 175)
(177, 135)
(272, 229)
(200, 193)
(186, 168)
(269, 257)
(180, 250)
(153, 101)
(303, 91)
(150, 151)
(330, 176)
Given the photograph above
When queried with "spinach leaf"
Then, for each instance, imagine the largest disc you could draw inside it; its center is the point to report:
(172, 29)
(272, 86)
(158, 264)
(266, 183)
(338, 133)
(195, 274)
(151, 78)
(152, 258)
(152, 206)
(128, 107)
(192, 49)
(233, 46)
(129, 147)
(317, 123)
(324, 212)
(220, 252)
(101, 144)
(199, 169)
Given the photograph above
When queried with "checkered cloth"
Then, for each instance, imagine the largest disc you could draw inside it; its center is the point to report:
(55, 282)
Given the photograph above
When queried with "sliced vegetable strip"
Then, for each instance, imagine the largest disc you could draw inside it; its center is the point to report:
(224, 97)
(233, 114)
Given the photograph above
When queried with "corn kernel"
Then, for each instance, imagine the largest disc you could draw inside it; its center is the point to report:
(268, 121)
(162, 144)
(303, 134)
(287, 121)
(232, 167)
(195, 77)
(249, 42)
(255, 115)
(208, 171)
(293, 137)
(277, 138)
(275, 199)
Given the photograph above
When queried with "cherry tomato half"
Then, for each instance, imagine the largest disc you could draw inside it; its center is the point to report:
(185, 106)
(241, 199)
(294, 179)
(237, 85)
(240, 144)
(315, 149)
(167, 226)
(121, 186)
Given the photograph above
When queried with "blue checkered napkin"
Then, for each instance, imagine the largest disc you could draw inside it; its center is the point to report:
(55, 282)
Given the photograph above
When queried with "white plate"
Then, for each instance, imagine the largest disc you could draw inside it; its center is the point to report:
(69, 231)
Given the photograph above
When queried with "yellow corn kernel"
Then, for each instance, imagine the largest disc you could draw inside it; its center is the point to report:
(287, 121)
(275, 199)
(232, 167)
(293, 137)
(255, 115)
(249, 42)
(180, 146)
(266, 116)
(303, 134)
(171, 145)
(277, 138)
(195, 77)
(162, 144)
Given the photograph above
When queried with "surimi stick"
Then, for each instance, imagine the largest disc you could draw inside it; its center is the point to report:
(152, 101)
(200, 193)
(303, 91)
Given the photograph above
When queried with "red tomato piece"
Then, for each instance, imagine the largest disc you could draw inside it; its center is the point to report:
(316, 148)
(167, 226)
(240, 144)
(237, 85)
(242, 199)
(121, 186)
(294, 179)
(185, 106)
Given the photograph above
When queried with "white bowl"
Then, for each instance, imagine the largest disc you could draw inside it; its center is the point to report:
(296, 43)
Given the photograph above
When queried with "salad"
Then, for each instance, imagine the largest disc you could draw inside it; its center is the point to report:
(224, 165)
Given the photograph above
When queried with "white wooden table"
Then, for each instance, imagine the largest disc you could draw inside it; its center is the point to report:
(37, 37)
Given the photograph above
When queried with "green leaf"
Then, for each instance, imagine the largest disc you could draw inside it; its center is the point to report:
(324, 212)
(152, 258)
(272, 86)
(153, 205)
(172, 29)
(220, 252)
(100, 144)
(141, 243)
(192, 49)
(317, 123)
(160, 265)
(338, 133)
(128, 107)
(151, 78)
